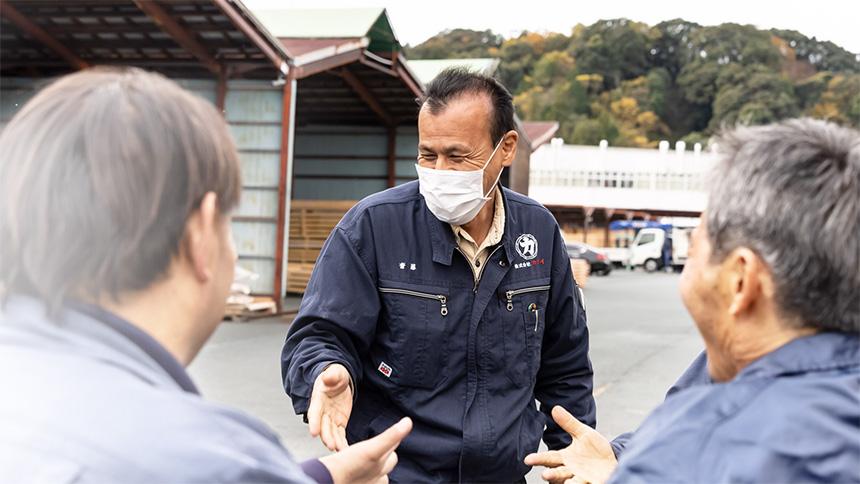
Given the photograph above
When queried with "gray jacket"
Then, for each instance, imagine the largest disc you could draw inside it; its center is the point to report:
(91, 398)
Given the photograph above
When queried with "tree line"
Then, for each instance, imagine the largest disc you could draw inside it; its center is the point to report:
(634, 85)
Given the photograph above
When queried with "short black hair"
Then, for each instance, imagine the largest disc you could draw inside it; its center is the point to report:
(454, 82)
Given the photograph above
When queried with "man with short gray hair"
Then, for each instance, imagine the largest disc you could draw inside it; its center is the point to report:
(772, 283)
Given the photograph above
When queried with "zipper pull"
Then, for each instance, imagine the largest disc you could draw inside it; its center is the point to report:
(510, 295)
(444, 301)
(536, 320)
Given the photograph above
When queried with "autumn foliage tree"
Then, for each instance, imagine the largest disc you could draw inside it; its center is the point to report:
(633, 84)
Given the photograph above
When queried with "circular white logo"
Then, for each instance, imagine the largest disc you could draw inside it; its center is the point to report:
(527, 246)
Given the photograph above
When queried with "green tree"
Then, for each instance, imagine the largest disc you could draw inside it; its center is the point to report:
(456, 44)
(822, 56)
(840, 103)
(617, 49)
(672, 47)
(750, 95)
(659, 82)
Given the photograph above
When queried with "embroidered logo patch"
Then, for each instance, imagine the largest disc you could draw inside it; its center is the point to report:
(527, 246)
(384, 369)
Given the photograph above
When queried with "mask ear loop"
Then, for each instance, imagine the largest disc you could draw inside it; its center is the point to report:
(493, 186)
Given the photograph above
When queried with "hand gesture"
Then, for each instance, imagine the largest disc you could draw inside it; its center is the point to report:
(369, 461)
(589, 458)
(330, 406)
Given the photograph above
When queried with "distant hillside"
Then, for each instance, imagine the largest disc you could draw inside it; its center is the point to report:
(633, 84)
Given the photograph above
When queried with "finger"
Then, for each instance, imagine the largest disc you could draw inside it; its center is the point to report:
(390, 462)
(559, 474)
(336, 380)
(314, 414)
(569, 423)
(341, 441)
(326, 432)
(550, 458)
(387, 441)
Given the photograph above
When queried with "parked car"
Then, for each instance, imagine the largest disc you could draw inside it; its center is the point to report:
(596, 258)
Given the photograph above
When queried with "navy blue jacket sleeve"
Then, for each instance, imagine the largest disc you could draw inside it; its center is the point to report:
(695, 374)
(565, 377)
(336, 321)
(317, 471)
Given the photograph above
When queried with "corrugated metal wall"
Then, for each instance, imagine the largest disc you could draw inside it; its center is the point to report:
(254, 114)
(14, 93)
(254, 111)
(331, 162)
(349, 162)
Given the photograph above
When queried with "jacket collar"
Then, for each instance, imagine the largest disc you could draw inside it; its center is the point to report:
(819, 352)
(94, 333)
(142, 340)
(443, 241)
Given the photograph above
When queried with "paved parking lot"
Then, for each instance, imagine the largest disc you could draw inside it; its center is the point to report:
(641, 340)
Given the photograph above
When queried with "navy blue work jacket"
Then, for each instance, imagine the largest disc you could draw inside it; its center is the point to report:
(790, 416)
(394, 300)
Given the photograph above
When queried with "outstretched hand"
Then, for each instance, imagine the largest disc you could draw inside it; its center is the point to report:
(589, 458)
(369, 461)
(330, 407)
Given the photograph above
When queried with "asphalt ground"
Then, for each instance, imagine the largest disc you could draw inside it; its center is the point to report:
(642, 339)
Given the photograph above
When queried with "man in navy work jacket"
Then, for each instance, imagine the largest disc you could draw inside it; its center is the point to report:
(117, 258)
(771, 281)
(449, 300)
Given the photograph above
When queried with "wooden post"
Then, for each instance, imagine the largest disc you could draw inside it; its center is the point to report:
(609, 212)
(286, 130)
(392, 153)
(221, 91)
(588, 211)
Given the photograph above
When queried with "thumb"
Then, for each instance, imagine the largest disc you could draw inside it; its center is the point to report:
(569, 423)
(334, 377)
(387, 441)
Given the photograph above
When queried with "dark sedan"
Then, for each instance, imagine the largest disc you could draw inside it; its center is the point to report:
(597, 260)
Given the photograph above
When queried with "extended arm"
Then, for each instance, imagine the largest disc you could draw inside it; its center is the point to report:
(565, 377)
(334, 327)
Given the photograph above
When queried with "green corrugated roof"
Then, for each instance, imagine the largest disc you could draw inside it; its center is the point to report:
(322, 23)
(426, 69)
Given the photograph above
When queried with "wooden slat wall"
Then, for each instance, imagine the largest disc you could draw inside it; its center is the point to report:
(311, 222)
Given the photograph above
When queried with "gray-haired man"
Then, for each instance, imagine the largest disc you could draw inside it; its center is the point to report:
(772, 283)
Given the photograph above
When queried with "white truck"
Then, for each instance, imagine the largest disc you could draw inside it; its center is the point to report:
(651, 249)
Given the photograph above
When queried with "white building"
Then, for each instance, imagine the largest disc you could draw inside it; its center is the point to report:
(587, 187)
(648, 180)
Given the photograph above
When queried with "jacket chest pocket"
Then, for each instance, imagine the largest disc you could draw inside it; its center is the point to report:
(418, 339)
(524, 317)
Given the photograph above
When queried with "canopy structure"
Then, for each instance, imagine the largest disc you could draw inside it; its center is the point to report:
(348, 64)
(182, 38)
(638, 224)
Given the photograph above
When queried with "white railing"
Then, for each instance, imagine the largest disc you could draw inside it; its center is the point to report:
(623, 178)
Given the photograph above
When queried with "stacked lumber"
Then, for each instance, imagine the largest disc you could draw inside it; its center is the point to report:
(580, 270)
(244, 307)
(311, 222)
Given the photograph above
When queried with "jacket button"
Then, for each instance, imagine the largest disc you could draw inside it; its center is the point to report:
(502, 263)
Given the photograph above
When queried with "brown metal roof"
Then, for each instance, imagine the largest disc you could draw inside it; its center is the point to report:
(354, 94)
(539, 132)
(339, 80)
(191, 38)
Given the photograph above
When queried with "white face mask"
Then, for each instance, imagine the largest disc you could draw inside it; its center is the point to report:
(453, 196)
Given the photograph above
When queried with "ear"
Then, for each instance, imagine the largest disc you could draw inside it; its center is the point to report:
(201, 233)
(744, 272)
(509, 148)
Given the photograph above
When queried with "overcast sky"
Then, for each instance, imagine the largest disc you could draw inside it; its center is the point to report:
(415, 21)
